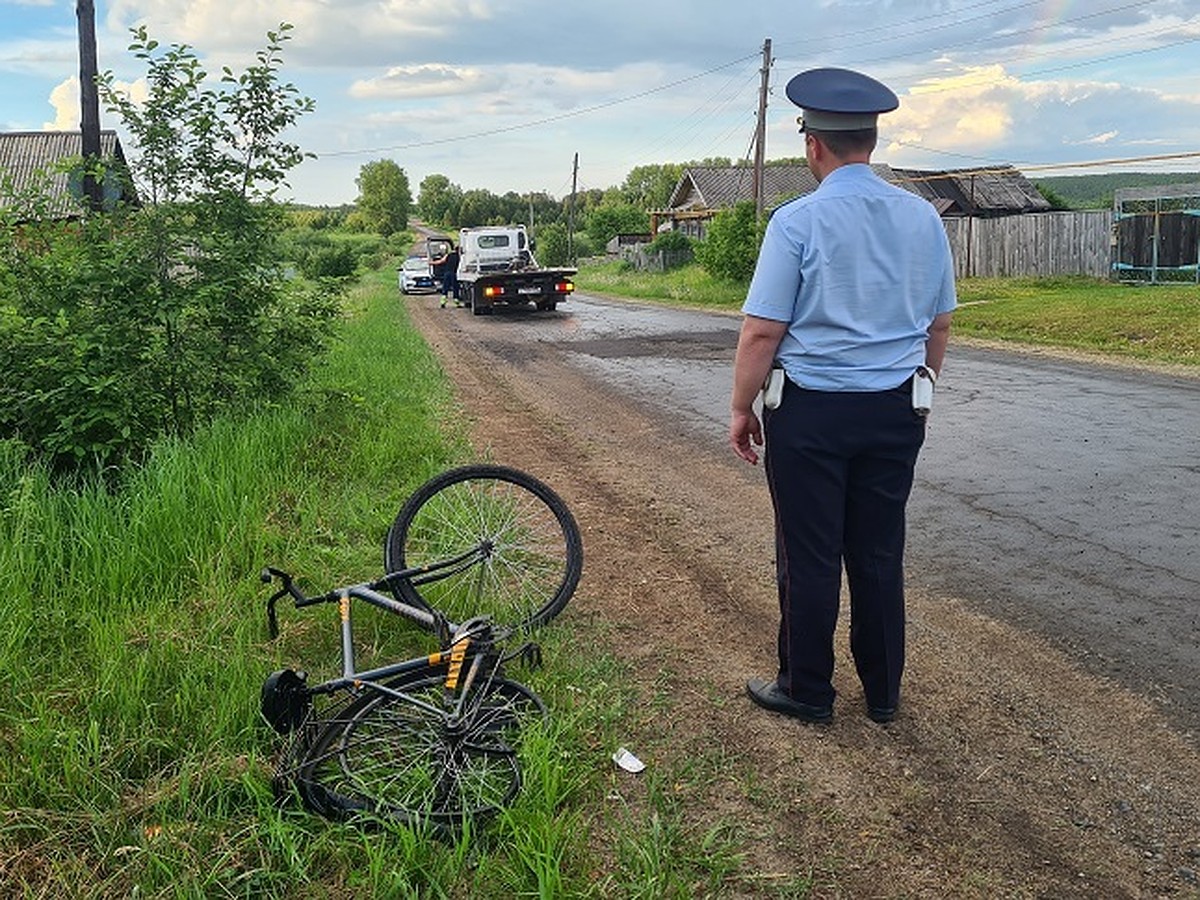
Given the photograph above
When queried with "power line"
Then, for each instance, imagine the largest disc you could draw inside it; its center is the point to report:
(1045, 167)
(546, 121)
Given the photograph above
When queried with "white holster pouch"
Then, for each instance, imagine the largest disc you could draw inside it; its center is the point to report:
(922, 390)
(772, 392)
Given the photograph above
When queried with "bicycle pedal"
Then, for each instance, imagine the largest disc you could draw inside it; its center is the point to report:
(285, 701)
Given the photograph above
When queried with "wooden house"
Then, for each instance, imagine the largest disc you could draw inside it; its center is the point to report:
(29, 157)
(703, 191)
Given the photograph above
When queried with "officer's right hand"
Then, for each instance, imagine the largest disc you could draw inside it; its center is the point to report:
(745, 433)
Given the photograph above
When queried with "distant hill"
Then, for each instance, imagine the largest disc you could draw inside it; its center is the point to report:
(1096, 191)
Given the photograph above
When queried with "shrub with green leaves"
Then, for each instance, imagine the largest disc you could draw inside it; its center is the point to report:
(552, 249)
(121, 326)
(730, 247)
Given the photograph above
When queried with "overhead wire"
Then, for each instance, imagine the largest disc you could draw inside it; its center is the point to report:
(548, 119)
(717, 102)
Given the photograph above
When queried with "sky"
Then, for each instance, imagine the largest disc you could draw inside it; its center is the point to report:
(505, 95)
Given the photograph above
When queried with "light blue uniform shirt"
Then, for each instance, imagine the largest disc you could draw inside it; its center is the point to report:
(859, 267)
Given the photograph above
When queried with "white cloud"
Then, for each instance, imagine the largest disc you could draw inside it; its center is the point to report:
(501, 93)
(64, 98)
(429, 80)
(1101, 138)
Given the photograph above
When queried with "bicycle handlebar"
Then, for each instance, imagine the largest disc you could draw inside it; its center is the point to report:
(289, 589)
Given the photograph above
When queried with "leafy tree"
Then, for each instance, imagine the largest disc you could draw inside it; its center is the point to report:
(730, 246)
(438, 200)
(545, 209)
(196, 141)
(552, 247)
(480, 207)
(1055, 199)
(650, 187)
(133, 323)
(384, 197)
(604, 222)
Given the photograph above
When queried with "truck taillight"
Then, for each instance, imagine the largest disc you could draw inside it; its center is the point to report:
(564, 287)
(493, 290)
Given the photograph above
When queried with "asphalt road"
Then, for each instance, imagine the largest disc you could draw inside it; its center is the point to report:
(1058, 495)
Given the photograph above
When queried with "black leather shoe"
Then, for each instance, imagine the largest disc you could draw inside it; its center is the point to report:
(768, 695)
(881, 714)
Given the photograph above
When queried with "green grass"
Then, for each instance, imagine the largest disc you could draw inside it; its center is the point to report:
(1158, 323)
(133, 644)
(686, 286)
(133, 641)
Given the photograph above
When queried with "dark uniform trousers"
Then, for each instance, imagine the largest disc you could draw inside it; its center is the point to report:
(840, 469)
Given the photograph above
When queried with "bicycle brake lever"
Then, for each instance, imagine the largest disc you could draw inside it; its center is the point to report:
(272, 620)
(267, 574)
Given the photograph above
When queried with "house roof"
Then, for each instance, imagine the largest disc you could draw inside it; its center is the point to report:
(995, 190)
(991, 191)
(24, 155)
(718, 187)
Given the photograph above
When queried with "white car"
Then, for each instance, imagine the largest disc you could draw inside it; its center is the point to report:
(415, 275)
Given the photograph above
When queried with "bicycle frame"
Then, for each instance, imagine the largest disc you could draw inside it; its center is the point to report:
(370, 591)
(470, 639)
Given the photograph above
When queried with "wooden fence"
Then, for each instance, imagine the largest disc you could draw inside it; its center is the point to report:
(1051, 243)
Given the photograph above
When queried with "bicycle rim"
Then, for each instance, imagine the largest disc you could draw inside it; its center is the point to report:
(528, 550)
(389, 757)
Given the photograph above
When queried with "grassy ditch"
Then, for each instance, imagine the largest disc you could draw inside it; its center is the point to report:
(133, 645)
(1151, 323)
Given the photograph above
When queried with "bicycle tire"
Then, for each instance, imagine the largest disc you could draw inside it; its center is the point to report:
(384, 757)
(534, 555)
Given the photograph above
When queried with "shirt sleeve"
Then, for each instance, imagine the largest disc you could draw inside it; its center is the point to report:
(777, 276)
(947, 299)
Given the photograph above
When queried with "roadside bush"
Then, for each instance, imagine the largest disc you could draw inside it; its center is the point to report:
(552, 245)
(730, 248)
(670, 250)
(329, 261)
(670, 242)
(583, 246)
(122, 326)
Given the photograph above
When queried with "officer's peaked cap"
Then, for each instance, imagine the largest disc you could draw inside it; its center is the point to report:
(839, 99)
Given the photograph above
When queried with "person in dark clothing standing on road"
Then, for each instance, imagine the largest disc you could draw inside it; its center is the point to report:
(851, 297)
(448, 265)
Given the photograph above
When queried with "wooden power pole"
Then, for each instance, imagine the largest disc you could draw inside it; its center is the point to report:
(760, 133)
(89, 97)
(571, 211)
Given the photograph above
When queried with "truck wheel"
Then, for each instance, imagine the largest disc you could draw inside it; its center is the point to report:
(476, 307)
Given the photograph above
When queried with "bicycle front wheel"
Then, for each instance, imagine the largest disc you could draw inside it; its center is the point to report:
(413, 759)
(519, 551)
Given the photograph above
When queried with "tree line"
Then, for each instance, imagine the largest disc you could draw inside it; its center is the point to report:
(385, 204)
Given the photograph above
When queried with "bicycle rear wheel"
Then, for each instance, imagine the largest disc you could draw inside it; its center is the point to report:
(407, 759)
(519, 548)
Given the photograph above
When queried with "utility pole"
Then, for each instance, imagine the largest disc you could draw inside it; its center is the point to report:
(760, 134)
(89, 97)
(571, 210)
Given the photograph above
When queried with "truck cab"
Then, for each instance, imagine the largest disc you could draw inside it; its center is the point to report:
(494, 249)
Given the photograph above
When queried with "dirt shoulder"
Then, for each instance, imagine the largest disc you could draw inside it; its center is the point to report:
(1009, 772)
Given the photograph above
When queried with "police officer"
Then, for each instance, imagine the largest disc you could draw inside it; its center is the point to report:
(852, 296)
